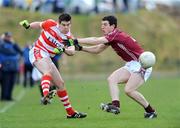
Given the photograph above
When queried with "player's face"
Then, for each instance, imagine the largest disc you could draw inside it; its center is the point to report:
(106, 27)
(65, 26)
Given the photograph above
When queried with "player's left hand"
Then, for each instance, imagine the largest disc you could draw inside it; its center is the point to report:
(69, 42)
(78, 47)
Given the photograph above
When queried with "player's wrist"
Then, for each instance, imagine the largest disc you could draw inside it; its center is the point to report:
(78, 47)
(63, 49)
(25, 24)
(28, 26)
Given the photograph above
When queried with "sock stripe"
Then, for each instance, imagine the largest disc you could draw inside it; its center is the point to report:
(64, 98)
(45, 82)
(66, 102)
(45, 90)
(45, 86)
(69, 106)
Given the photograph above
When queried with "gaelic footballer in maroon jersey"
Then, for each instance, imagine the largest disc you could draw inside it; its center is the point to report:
(124, 45)
(132, 74)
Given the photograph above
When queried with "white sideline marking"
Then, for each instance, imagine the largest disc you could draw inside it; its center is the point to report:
(11, 104)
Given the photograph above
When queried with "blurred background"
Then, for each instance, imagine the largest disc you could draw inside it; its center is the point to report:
(155, 24)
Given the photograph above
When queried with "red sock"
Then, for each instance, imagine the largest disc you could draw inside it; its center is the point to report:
(63, 96)
(45, 84)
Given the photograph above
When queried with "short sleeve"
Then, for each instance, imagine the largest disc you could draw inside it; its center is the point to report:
(48, 23)
(110, 37)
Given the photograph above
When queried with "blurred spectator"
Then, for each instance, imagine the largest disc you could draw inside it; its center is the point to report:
(96, 6)
(59, 6)
(47, 6)
(150, 5)
(7, 3)
(126, 7)
(35, 6)
(27, 67)
(1, 42)
(133, 5)
(19, 4)
(115, 5)
(9, 56)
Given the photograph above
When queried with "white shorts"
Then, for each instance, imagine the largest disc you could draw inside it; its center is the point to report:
(135, 66)
(36, 53)
(36, 75)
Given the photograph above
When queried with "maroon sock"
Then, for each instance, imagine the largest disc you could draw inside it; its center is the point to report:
(116, 103)
(149, 109)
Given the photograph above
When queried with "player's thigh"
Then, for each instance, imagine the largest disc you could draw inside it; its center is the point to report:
(134, 82)
(56, 76)
(44, 65)
(120, 75)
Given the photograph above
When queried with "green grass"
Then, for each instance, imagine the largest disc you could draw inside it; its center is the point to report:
(86, 95)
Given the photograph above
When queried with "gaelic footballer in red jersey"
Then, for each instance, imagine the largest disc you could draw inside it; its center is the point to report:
(132, 74)
(51, 42)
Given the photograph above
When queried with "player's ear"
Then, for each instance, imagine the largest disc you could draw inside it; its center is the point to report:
(113, 25)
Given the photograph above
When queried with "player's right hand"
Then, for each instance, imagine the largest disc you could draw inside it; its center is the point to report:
(58, 50)
(25, 24)
(78, 47)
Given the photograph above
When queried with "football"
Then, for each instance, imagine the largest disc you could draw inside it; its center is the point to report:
(147, 59)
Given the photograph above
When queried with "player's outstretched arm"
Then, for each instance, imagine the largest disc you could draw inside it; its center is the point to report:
(94, 49)
(27, 25)
(92, 40)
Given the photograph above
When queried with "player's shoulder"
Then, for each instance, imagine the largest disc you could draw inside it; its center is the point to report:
(51, 21)
(112, 35)
(48, 23)
(114, 32)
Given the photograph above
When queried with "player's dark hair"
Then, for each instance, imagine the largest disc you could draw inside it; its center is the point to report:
(111, 19)
(64, 17)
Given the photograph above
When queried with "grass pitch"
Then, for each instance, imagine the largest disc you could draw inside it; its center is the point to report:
(86, 96)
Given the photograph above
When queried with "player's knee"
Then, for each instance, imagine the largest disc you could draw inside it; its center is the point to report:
(60, 84)
(128, 91)
(110, 79)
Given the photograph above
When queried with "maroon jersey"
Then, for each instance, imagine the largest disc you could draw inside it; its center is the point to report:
(124, 45)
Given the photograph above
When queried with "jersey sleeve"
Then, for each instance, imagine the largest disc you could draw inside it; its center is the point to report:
(48, 23)
(110, 37)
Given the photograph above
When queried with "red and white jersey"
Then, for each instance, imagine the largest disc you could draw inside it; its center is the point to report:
(124, 45)
(51, 37)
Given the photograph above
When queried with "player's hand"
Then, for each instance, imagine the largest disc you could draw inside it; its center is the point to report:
(58, 50)
(69, 42)
(78, 47)
(25, 24)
